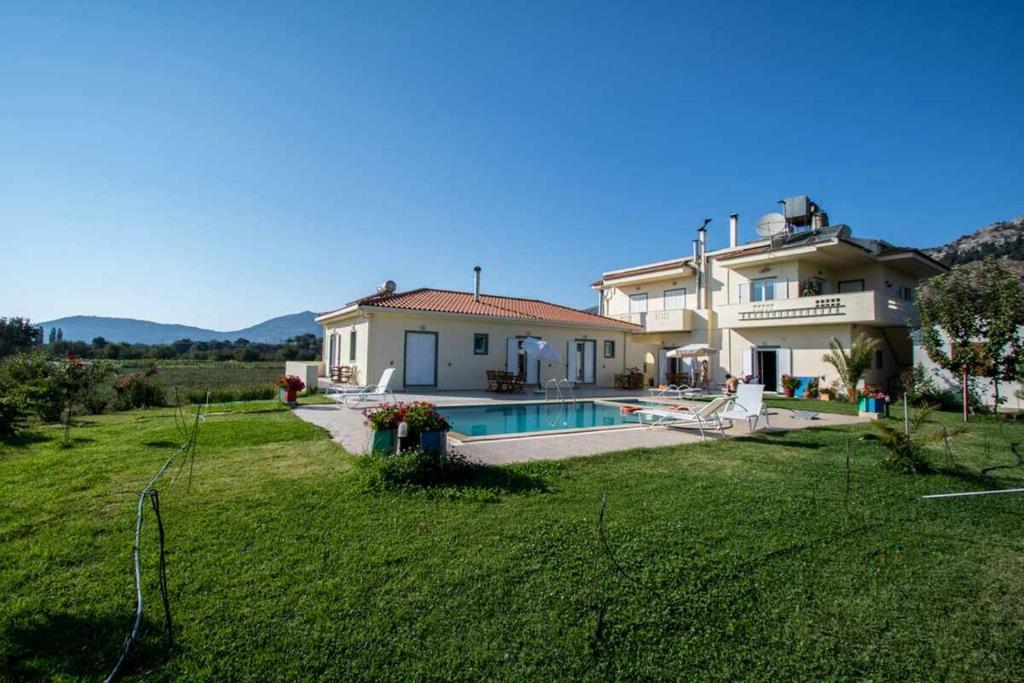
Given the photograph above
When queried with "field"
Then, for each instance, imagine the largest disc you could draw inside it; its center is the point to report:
(744, 559)
(212, 375)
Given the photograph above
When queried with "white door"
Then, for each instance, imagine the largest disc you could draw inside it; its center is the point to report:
(583, 361)
(532, 364)
(420, 359)
(589, 361)
(512, 354)
(785, 363)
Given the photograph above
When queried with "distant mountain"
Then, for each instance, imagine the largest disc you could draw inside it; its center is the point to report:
(88, 327)
(1004, 240)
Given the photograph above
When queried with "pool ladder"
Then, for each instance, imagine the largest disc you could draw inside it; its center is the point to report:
(562, 390)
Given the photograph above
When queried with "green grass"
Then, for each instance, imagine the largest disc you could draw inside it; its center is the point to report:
(741, 559)
(216, 375)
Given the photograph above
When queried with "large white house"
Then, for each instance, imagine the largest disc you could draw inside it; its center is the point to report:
(767, 307)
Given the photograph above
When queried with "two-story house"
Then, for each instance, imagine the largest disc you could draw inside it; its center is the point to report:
(770, 307)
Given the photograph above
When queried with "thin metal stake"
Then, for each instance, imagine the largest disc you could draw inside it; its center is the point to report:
(906, 416)
(154, 498)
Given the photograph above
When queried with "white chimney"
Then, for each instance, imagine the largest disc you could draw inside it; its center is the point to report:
(734, 229)
(476, 283)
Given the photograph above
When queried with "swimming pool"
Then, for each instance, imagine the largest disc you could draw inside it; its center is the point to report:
(523, 418)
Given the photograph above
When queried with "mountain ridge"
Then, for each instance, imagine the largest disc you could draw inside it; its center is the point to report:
(1003, 240)
(136, 331)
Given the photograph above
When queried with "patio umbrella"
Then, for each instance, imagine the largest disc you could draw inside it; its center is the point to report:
(542, 351)
(691, 351)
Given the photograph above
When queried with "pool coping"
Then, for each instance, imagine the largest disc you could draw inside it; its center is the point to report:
(610, 400)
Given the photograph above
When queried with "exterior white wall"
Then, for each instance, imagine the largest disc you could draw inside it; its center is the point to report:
(458, 368)
(616, 301)
(340, 330)
(945, 380)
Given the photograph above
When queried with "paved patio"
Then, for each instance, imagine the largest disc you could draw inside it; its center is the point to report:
(347, 427)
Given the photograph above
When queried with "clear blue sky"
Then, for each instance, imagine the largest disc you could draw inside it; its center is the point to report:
(220, 163)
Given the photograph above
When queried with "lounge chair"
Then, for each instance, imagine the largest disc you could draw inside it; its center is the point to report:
(678, 391)
(748, 405)
(352, 397)
(493, 382)
(708, 416)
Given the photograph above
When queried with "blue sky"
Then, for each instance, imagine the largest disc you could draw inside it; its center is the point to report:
(220, 163)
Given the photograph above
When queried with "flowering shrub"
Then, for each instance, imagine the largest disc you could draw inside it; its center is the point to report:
(873, 392)
(423, 417)
(290, 383)
(385, 416)
(790, 383)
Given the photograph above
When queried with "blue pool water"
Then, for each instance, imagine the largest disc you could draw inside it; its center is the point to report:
(533, 417)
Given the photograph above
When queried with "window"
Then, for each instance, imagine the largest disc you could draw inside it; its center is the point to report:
(609, 349)
(352, 345)
(481, 342)
(638, 303)
(762, 289)
(851, 286)
(879, 359)
(906, 293)
(675, 299)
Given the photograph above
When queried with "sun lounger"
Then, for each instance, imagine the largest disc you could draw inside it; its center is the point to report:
(747, 405)
(352, 397)
(706, 417)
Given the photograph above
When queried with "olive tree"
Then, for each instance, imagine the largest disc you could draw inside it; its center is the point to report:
(972, 323)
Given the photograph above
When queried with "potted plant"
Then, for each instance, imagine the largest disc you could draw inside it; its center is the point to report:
(428, 425)
(827, 394)
(812, 389)
(789, 385)
(871, 402)
(290, 385)
(383, 421)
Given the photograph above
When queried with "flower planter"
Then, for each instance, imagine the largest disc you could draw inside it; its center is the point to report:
(788, 393)
(382, 441)
(871, 407)
(434, 442)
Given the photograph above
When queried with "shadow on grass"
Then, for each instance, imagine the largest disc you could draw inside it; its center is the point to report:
(77, 646)
(779, 439)
(25, 439)
(162, 443)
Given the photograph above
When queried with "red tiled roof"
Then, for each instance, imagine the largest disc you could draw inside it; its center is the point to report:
(444, 301)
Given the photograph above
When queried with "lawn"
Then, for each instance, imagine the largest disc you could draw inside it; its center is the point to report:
(742, 559)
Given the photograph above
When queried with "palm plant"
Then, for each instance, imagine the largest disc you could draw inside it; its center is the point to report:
(851, 365)
(906, 450)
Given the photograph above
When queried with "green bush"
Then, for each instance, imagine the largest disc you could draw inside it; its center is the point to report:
(415, 468)
(139, 390)
(11, 415)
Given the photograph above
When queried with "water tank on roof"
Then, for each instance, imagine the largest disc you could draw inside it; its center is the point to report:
(799, 209)
(819, 220)
(387, 287)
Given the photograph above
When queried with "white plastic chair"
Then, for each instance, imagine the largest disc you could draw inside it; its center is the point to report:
(352, 397)
(748, 405)
(708, 416)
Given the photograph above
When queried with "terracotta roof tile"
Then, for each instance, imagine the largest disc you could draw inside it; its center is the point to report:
(445, 301)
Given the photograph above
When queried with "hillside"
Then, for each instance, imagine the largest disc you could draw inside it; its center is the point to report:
(1004, 240)
(88, 327)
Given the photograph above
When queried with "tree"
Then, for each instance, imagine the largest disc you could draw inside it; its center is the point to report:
(851, 366)
(53, 335)
(972, 323)
(99, 342)
(17, 334)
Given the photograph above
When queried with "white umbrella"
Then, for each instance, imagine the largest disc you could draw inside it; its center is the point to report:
(691, 351)
(542, 351)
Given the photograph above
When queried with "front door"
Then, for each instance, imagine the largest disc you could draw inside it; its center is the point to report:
(420, 359)
(767, 369)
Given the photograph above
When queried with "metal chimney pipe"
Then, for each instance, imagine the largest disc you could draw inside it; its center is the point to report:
(696, 251)
(476, 283)
(734, 229)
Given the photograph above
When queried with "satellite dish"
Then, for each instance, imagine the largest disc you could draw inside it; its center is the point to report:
(772, 224)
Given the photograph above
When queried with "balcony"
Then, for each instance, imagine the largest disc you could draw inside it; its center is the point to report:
(677, 320)
(869, 308)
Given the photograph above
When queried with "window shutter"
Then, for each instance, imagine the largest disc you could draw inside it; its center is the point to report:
(748, 362)
(739, 294)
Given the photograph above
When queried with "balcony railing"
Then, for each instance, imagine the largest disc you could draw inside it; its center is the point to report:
(676, 320)
(817, 307)
(849, 307)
